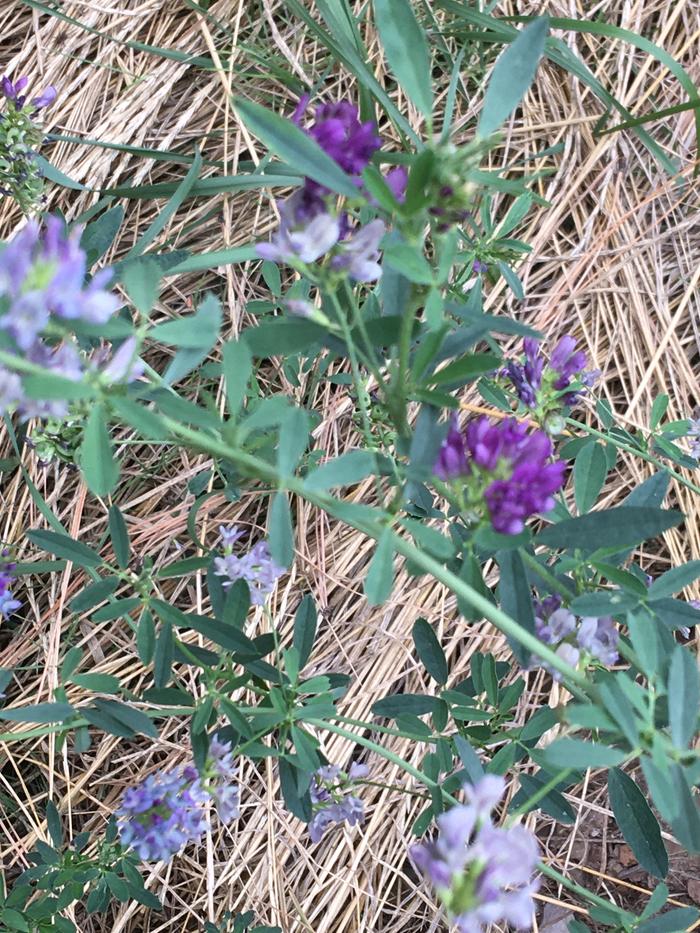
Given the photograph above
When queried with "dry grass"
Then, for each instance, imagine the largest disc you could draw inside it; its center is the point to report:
(616, 260)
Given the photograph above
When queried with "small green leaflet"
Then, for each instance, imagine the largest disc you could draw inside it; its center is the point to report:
(304, 629)
(683, 696)
(96, 457)
(281, 531)
(429, 650)
(512, 75)
(406, 50)
(637, 823)
(380, 576)
(63, 546)
(622, 526)
(590, 470)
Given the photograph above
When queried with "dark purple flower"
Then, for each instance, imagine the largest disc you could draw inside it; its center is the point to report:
(12, 90)
(478, 266)
(483, 872)
(452, 459)
(540, 385)
(396, 180)
(338, 131)
(8, 604)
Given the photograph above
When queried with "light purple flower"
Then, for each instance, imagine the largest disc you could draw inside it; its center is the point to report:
(123, 365)
(483, 873)
(331, 802)
(8, 604)
(694, 434)
(163, 813)
(359, 255)
(229, 536)
(220, 783)
(599, 637)
(46, 98)
(300, 237)
(256, 567)
(396, 180)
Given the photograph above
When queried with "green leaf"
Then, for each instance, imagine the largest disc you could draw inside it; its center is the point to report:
(401, 704)
(674, 580)
(515, 598)
(512, 75)
(281, 531)
(99, 683)
(119, 536)
(237, 365)
(93, 594)
(683, 696)
(304, 629)
(645, 641)
(346, 470)
(64, 546)
(196, 331)
(96, 457)
(133, 718)
(146, 637)
(53, 823)
(464, 369)
(294, 438)
(163, 655)
(283, 336)
(553, 803)
(658, 410)
(99, 234)
(469, 758)
(410, 262)
(590, 470)
(686, 825)
(40, 712)
(573, 753)
(406, 50)
(618, 706)
(141, 279)
(51, 386)
(673, 921)
(429, 651)
(291, 144)
(622, 526)
(637, 823)
(380, 576)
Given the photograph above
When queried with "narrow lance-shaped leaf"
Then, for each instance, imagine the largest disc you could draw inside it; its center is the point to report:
(406, 50)
(100, 469)
(637, 823)
(429, 650)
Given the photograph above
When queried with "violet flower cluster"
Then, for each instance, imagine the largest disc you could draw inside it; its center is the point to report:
(256, 566)
(547, 387)
(310, 226)
(483, 873)
(169, 809)
(8, 604)
(503, 470)
(331, 802)
(694, 435)
(42, 275)
(575, 640)
(20, 175)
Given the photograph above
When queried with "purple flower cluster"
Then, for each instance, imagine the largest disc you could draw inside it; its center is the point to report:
(574, 638)
(694, 434)
(8, 603)
(483, 872)
(168, 810)
(13, 92)
(330, 802)
(309, 225)
(256, 567)
(42, 277)
(545, 387)
(504, 468)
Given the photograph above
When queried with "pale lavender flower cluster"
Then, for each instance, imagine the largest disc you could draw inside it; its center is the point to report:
(483, 872)
(309, 226)
(504, 467)
(546, 386)
(575, 638)
(168, 810)
(330, 801)
(8, 604)
(256, 566)
(42, 277)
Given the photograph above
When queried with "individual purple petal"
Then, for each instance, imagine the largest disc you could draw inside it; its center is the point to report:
(359, 255)
(396, 180)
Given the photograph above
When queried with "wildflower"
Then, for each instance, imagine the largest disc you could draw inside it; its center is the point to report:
(162, 814)
(330, 802)
(505, 469)
(168, 810)
(694, 433)
(546, 387)
(482, 872)
(256, 567)
(8, 604)
(300, 236)
(340, 133)
(479, 267)
(575, 639)
(360, 253)
(20, 175)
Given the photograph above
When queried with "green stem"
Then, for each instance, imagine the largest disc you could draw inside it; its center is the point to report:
(642, 454)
